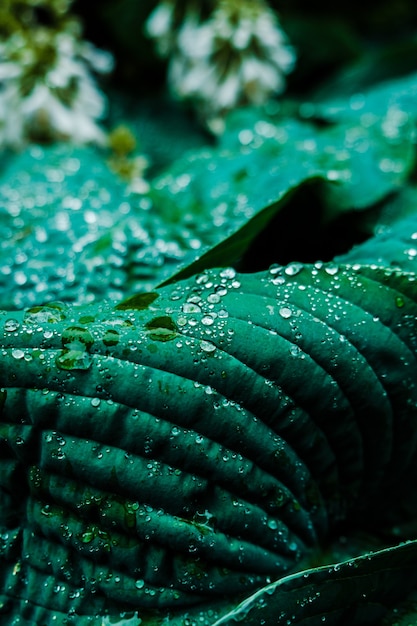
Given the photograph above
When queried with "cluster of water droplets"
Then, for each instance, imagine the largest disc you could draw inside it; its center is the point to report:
(73, 231)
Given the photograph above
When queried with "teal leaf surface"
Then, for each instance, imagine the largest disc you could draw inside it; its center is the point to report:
(364, 153)
(156, 460)
(205, 209)
(72, 231)
(363, 587)
(394, 231)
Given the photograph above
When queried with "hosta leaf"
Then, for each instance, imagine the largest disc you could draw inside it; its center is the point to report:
(227, 195)
(61, 204)
(397, 96)
(394, 235)
(263, 155)
(367, 153)
(172, 454)
(73, 232)
(363, 587)
(404, 614)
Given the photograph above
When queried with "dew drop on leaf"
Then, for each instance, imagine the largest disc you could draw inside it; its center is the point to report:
(293, 269)
(11, 325)
(207, 347)
(111, 337)
(74, 360)
(228, 273)
(18, 354)
(51, 313)
(285, 312)
(190, 307)
(77, 338)
(162, 328)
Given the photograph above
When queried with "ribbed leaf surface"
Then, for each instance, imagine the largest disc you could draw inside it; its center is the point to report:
(186, 447)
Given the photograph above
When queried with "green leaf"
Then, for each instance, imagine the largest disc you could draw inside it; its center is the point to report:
(404, 614)
(394, 229)
(355, 592)
(339, 101)
(182, 468)
(72, 231)
(229, 194)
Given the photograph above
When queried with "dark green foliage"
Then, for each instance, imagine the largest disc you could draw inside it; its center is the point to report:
(184, 461)
(184, 441)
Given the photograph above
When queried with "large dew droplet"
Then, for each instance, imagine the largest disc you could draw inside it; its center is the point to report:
(18, 354)
(74, 360)
(11, 325)
(51, 313)
(285, 312)
(293, 269)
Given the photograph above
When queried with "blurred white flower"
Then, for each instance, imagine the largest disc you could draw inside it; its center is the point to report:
(46, 89)
(239, 55)
(160, 26)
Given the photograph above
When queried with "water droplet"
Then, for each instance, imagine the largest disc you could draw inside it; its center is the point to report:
(201, 279)
(74, 360)
(139, 584)
(228, 272)
(272, 524)
(245, 136)
(411, 252)
(111, 337)
(214, 298)
(95, 402)
(293, 269)
(207, 346)
(162, 328)
(399, 301)
(77, 338)
(46, 314)
(18, 354)
(285, 312)
(46, 510)
(190, 307)
(11, 325)
(86, 537)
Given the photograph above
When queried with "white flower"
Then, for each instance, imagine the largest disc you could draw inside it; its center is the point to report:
(53, 99)
(239, 55)
(159, 26)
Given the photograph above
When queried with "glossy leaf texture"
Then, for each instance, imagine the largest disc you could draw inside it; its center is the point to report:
(63, 205)
(73, 230)
(364, 588)
(172, 454)
(360, 150)
(393, 227)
